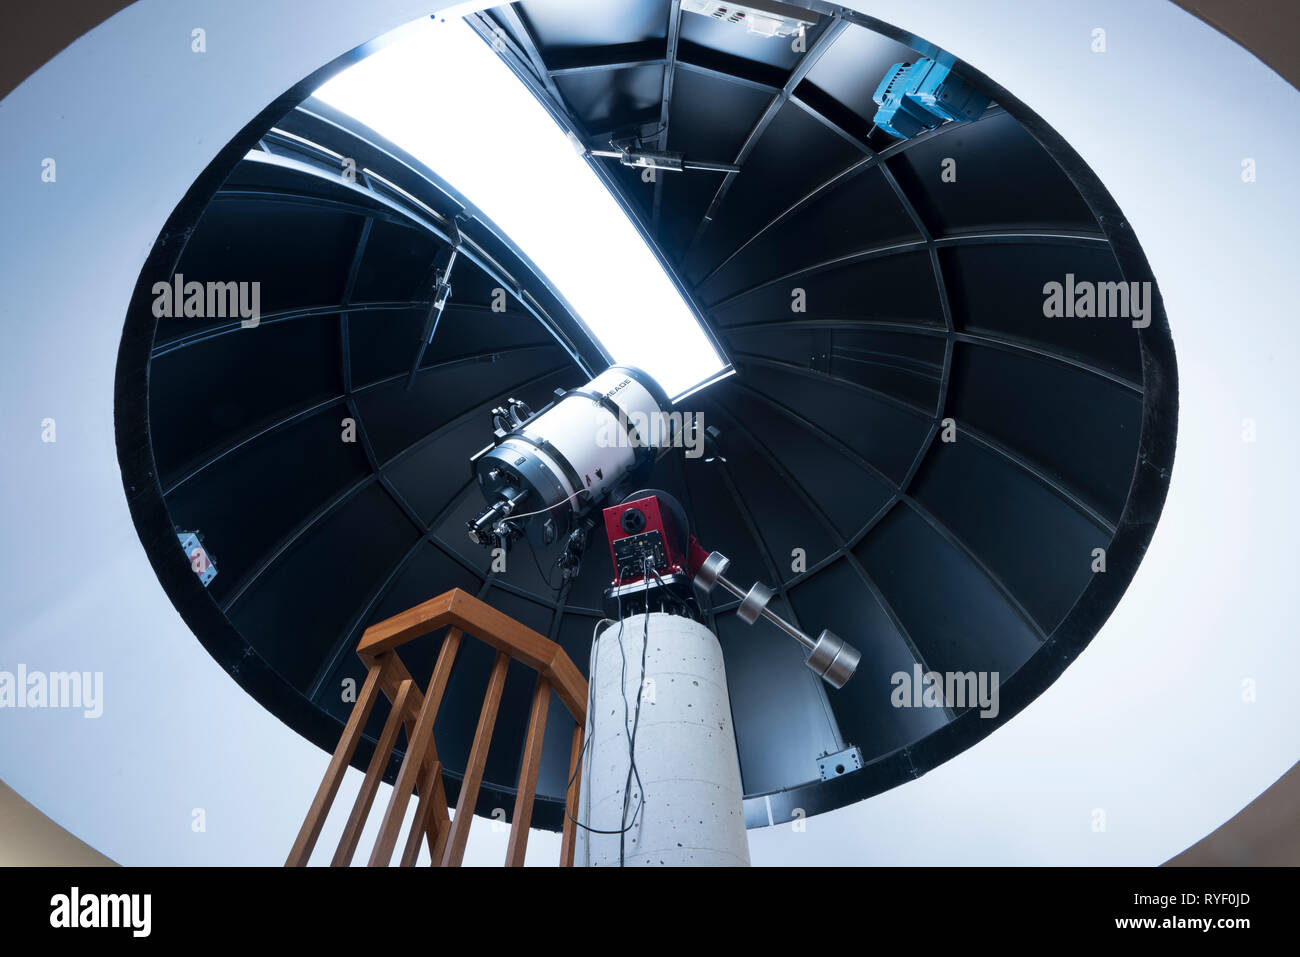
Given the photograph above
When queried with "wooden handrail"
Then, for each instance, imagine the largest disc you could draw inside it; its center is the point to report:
(484, 622)
(421, 772)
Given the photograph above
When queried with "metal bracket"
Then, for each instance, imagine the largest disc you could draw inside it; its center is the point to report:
(840, 763)
(440, 269)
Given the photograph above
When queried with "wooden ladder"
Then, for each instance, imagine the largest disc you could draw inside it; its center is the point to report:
(421, 771)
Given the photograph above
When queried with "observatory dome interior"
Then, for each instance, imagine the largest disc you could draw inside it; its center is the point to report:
(910, 449)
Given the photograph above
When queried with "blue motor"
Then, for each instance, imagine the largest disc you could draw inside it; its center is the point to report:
(915, 97)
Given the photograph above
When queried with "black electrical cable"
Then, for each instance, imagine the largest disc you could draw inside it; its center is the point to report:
(636, 721)
(686, 609)
(591, 733)
(581, 755)
(634, 718)
(545, 576)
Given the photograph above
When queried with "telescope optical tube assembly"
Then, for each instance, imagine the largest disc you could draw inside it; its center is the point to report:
(549, 469)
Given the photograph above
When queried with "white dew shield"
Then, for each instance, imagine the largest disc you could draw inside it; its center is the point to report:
(688, 809)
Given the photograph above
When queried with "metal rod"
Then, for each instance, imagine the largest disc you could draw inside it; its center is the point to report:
(441, 292)
(711, 167)
(731, 587)
(770, 615)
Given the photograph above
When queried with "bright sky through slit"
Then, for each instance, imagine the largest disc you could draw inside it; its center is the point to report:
(442, 94)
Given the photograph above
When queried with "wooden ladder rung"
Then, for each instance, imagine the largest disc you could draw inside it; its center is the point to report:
(423, 812)
(415, 752)
(532, 764)
(568, 838)
(338, 766)
(487, 719)
(374, 774)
